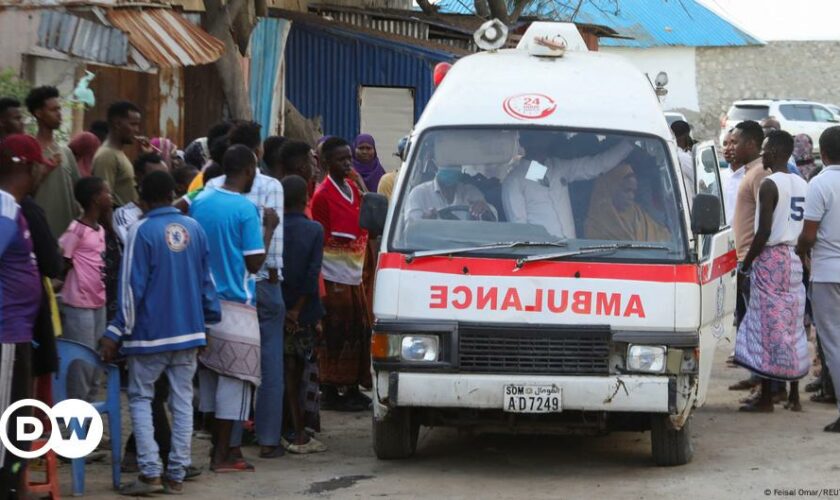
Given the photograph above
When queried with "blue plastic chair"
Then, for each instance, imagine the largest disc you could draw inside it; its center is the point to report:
(68, 352)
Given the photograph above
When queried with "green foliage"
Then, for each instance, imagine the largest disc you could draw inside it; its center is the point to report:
(11, 85)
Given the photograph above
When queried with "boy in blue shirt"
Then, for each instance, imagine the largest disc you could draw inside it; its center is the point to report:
(166, 298)
(303, 251)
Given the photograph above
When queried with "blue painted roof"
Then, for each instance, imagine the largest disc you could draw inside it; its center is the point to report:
(650, 23)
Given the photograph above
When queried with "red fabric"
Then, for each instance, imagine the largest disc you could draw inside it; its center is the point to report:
(84, 147)
(335, 213)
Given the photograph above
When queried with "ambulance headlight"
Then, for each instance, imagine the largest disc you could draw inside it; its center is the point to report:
(420, 348)
(644, 358)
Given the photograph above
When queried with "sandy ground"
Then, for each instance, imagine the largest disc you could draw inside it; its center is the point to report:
(737, 456)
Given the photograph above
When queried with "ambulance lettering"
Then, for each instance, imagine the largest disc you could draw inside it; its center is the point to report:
(581, 302)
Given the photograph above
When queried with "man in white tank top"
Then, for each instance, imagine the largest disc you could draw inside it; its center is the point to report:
(771, 340)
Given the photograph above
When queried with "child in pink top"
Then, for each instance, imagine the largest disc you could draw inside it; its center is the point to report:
(83, 295)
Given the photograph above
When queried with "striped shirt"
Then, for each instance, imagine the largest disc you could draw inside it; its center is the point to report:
(123, 218)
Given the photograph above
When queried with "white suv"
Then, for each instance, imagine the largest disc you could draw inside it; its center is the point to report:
(795, 117)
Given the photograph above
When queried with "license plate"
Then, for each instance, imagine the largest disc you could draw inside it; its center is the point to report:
(527, 398)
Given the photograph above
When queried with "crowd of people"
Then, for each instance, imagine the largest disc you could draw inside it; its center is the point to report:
(234, 269)
(783, 208)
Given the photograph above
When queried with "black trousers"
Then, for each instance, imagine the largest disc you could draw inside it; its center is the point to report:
(15, 384)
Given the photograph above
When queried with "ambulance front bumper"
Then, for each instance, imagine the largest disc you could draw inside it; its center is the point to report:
(619, 393)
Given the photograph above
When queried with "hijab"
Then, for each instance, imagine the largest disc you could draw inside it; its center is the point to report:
(84, 147)
(371, 170)
(165, 147)
(606, 222)
(197, 153)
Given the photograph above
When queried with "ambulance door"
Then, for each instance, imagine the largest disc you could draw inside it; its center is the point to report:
(718, 262)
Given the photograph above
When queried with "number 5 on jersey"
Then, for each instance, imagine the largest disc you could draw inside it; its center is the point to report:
(797, 208)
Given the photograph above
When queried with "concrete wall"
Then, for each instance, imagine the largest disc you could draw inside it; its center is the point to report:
(678, 62)
(806, 70)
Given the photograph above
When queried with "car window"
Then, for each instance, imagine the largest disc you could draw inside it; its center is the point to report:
(469, 187)
(822, 115)
(743, 112)
(797, 112)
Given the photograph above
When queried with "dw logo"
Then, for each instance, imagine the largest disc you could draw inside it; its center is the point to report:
(76, 428)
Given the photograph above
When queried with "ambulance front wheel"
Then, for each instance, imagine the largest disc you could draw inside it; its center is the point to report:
(670, 446)
(395, 435)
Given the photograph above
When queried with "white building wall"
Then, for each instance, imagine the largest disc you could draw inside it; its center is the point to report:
(678, 62)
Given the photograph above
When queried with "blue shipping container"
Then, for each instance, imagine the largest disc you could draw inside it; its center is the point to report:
(326, 67)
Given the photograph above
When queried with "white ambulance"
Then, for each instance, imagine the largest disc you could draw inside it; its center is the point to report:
(544, 266)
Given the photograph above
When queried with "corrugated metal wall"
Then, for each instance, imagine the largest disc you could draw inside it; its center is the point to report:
(266, 52)
(326, 68)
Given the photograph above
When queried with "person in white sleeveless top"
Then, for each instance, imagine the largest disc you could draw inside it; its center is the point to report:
(771, 340)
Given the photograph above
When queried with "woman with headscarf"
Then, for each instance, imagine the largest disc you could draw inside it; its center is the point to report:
(366, 161)
(166, 149)
(614, 213)
(84, 147)
(803, 154)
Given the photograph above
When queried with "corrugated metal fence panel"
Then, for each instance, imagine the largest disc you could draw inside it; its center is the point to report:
(266, 53)
(408, 28)
(79, 37)
(327, 68)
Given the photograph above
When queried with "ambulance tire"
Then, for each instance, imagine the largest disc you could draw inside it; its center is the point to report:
(395, 436)
(670, 446)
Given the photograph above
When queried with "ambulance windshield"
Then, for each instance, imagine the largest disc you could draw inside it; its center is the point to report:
(472, 187)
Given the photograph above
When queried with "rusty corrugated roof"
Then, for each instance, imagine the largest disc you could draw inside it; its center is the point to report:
(165, 38)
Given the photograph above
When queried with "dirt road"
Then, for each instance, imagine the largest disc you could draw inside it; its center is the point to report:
(737, 456)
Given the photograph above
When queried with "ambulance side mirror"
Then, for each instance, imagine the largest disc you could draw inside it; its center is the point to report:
(373, 214)
(705, 214)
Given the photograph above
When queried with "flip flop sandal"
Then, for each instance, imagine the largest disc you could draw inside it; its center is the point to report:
(140, 488)
(238, 466)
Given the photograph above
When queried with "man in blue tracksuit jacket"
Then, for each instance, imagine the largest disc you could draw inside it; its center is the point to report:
(166, 297)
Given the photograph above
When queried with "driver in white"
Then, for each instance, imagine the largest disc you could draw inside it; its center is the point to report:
(447, 190)
(537, 190)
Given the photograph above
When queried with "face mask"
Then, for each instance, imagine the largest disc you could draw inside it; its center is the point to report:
(448, 176)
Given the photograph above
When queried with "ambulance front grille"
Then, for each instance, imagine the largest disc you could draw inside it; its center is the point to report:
(534, 351)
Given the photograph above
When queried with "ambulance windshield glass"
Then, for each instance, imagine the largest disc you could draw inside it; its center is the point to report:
(472, 187)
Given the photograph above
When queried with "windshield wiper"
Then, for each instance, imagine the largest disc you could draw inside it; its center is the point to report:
(588, 250)
(491, 246)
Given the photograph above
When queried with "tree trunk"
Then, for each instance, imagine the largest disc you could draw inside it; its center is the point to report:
(427, 7)
(498, 9)
(482, 10)
(300, 128)
(219, 23)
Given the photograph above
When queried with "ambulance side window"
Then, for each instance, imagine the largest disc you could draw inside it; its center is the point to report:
(708, 181)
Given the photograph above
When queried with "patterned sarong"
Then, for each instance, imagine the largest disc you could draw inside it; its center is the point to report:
(345, 351)
(233, 345)
(771, 340)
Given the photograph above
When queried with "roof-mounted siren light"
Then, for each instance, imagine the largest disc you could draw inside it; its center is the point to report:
(552, 40)
(491, 36)
(441, 69)
(659, 85)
